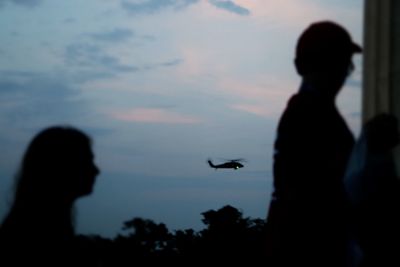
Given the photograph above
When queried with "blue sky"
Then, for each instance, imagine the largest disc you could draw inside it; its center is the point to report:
(160, 86)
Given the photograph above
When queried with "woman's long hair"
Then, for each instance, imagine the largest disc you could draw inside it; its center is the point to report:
(49, 181)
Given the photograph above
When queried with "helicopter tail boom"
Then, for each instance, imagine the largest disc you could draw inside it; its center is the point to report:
(211, 164)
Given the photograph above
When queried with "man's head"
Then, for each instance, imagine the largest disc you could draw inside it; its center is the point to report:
(324, 46)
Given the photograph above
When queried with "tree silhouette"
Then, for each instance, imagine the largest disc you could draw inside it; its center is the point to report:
(231, 237)
(148, 235)
(228, 237)
(145, 240)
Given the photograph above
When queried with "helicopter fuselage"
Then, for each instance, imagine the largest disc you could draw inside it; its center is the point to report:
(227, 165)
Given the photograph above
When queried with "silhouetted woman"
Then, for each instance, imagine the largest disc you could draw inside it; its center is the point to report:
(374, 191)
(56, 170)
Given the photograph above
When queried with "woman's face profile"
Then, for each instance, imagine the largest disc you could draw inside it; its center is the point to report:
(85, 172)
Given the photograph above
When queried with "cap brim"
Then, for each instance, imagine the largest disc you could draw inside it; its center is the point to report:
(355, 48)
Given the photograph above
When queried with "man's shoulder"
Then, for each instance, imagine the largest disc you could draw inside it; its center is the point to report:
(299, 105)
(304, 100)
(303, 113)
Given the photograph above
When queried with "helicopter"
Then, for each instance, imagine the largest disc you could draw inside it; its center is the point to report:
(230, 164)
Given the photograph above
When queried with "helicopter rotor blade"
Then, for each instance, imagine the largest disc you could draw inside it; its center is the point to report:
(233, 160)
(237, 160)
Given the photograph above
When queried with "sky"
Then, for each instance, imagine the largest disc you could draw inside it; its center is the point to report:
(160, 86)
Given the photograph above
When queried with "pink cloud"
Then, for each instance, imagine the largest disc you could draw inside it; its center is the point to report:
(289, 12)
(154, 115)
(257, 109)
(292, 13)
(261, 88)
(263, 96)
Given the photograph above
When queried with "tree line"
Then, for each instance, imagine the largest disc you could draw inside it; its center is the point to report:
(227, 237)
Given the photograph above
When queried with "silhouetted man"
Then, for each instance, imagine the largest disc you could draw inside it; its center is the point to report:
(308, 219)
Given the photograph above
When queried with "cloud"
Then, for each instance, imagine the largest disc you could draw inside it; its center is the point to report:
(260, 88)
(169, 63)
(26, 3)
(173, 62)
(87, 55)
(69, 20)
(31, 98)
(153, 6)
(230, 6)
(259, 110)
(264, 96)
(94, 60)
(115, 36)
(299, 14)
(154, 115)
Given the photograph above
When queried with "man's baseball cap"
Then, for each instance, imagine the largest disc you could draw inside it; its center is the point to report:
(325, 39)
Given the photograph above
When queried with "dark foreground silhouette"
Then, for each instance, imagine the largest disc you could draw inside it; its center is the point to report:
(56, 170)
(308, 219)
(227, 238)
(374, 191)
